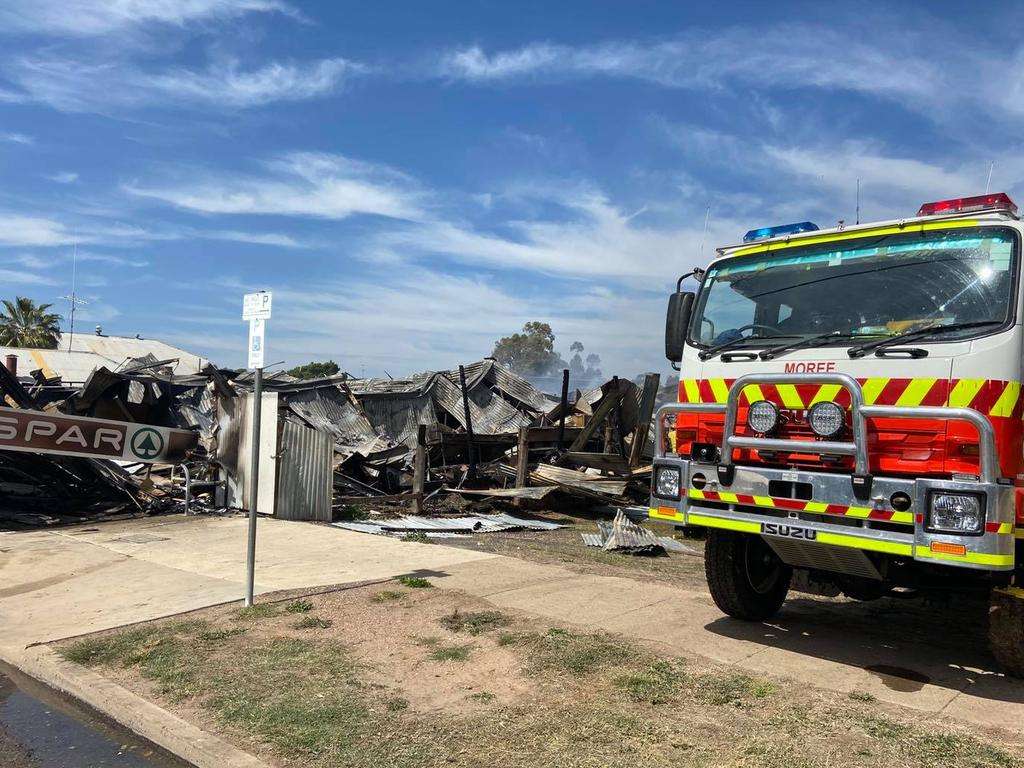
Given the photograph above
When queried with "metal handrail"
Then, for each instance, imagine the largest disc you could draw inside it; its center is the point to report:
(857, 447)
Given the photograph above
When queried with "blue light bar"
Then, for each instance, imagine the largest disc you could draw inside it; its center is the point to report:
(785, 229)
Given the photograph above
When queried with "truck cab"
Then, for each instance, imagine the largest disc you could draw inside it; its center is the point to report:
(850, 413)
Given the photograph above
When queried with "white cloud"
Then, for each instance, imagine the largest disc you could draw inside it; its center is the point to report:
(20, 230)
(71, 85)
(897, 60)
(18, 277)
(16, 138)
(84, 18)
(298, 184)
(64, 177)
(255, 238)
(372, 322)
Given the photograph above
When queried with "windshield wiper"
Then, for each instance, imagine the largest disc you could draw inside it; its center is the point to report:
(863, 349)
(710, 352)
(810, 341)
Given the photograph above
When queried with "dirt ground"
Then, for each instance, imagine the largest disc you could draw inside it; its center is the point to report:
(414, 675)
(564, 547)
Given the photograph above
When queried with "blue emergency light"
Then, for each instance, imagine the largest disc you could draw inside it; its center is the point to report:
(784, 229)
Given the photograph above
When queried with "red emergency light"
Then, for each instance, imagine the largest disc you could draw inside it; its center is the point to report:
(997, 201)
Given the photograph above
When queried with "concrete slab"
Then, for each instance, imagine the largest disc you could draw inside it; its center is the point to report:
(71, 581)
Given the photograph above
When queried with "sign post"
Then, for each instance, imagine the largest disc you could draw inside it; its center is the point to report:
(255, 309)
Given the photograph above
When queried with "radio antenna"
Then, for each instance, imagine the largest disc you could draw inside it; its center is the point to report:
(704, 234)
(858, 201)
(73, 299)
(988, 184)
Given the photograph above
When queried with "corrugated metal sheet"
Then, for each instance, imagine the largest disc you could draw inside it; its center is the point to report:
(122, 348)
(469, 524)
(399, 416)
(329, 410)
(304, 473)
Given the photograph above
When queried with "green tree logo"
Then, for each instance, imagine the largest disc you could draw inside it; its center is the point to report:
(147, 444)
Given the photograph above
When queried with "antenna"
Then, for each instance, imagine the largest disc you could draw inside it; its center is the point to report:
(73, 299)
(703, 237)
(988, 184)
(858, 201)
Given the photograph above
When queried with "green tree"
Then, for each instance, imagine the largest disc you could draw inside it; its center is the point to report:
(23, 323)
(315, 370)
(530, 353)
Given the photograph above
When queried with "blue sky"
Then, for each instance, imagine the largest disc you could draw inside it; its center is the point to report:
(414, 180)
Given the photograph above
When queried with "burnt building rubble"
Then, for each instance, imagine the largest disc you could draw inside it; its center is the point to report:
(435, 441)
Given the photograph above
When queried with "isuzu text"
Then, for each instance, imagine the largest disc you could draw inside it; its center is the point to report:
(850, 413)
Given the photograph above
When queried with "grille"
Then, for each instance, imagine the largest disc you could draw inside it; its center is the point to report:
(823, 558)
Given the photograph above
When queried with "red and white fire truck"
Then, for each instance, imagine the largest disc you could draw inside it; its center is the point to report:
(850, 413)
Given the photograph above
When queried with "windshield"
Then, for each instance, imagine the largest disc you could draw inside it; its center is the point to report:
(866, 288)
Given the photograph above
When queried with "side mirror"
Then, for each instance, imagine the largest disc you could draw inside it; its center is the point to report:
(679, 307)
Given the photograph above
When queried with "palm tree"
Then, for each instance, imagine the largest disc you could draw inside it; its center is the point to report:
(24, 323)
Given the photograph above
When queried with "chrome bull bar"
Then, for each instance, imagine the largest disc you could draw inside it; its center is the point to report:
(856, 447)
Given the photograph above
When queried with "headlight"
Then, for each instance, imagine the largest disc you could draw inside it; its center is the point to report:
(826, 419)
(956, 513)
(762, 416)
(666, 482)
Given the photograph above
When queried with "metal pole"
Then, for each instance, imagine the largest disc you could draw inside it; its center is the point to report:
(563, 407)
(469, 424)
(254, 486)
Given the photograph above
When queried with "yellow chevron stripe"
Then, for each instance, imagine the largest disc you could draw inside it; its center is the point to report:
(790, 396)
(872, 389)
(815, 506)
(719, 390)
(826, 392)
(728, 497)
(764, 501)
(693, 493)
(858, 511)
(964, 392)
(753, 393)
(1007, 401)
(692, 390)
(915, 392)
(902, 517)
(1005, 528)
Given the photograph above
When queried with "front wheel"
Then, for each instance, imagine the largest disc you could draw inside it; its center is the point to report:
(747, 580)
(1006, 629)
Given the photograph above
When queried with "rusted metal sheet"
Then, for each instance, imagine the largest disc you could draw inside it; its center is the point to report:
(40, 432)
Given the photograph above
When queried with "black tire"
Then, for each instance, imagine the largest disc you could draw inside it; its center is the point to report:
(1006, 630)
(745, 577)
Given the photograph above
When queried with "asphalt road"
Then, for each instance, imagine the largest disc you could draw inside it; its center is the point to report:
(40, 729)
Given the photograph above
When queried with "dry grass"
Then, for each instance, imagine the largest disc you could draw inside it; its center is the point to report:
(522, 694)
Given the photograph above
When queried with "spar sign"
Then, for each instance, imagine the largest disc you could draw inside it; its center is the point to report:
(39, 432)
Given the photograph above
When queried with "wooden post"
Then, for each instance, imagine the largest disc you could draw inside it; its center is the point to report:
(563, 408)
(470, 457)
(523, 460)
(609, 402)
(419, 469)
(643, 424)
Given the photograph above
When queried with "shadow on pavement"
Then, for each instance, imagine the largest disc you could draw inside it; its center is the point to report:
(905, 643)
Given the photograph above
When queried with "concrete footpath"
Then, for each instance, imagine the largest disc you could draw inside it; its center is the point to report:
(62, 583)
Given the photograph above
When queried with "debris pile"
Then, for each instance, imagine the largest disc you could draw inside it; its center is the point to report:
(478, 431)
(623, 535)
(482, 430)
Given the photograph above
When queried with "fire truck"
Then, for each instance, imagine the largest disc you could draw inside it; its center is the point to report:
(849, 418)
